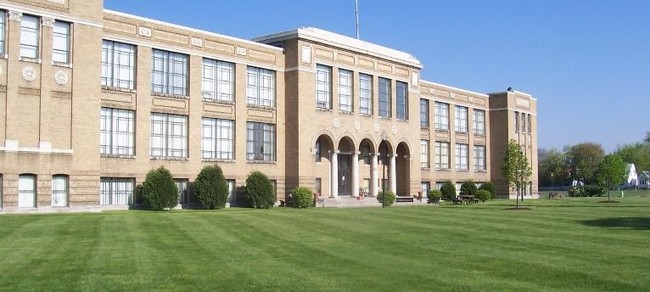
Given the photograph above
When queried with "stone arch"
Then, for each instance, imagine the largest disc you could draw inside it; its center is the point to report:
(403, 165)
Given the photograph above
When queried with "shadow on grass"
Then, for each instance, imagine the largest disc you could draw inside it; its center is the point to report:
(637, 223)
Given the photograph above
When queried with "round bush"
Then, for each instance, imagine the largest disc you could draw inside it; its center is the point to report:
(302, 197)
(390, 198)
(483, 195)
(211, 188)
(448, 191)
(159, 190)
(259, 191)
(489, 186)
(468, 188)
(433, 197)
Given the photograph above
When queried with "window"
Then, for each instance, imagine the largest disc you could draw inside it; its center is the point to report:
(517, 122)
(169, 73)
(59, 191)
(232, 192)
(479, 158)
(323, 87)
(402, 101)
(426, 186)
(318, 186)
(260, 90)
(260, 142)
(345, 91)
(318, 151)
(181, 187)
(424, 114)
(523, 122)
(442, 116)
(26, 191)
(115, 191)
(365, 94)
(479, 122)
(61, 42)
(439, 185)
(424, 153)
(29, 36)
(365, 153)
(218, 80)
(217, 137)
(530, 125)
(118, 65)
(461, 119)
(461, 157)
(384, 98)
(168, 135)
(116, 132)
(3, 29)
(442, 155)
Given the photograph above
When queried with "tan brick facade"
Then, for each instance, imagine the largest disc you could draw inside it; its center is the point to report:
(55, 117)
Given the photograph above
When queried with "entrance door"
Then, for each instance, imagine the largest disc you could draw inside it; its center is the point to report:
(345, 179)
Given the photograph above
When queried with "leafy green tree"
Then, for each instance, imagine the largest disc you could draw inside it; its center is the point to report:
(647, 137)
(211, 188)
(611, 172)
(159, 190)
(584, 159)
(259, 191)
(553, 169)
(637, 153)
(516, 169)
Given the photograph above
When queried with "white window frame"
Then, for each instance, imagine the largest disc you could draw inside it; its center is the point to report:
(168, 135)
(60, 190)
(365, 94)
(181, 188)
(3, 32)
(29, 36)
(441, 116)
(27, 191)
(217, 139)
(402, 100)
(479, 122)
(424, 154)
(260, 141)
(218, 84)
(61, 32)
(424, 113)
(117, 132)
(169, 73)
(462, 157)
(442, 155)
(260, 87)
(346, 99)
(118, 64)
(116, 191)
(479, 158)
(323, 87)
(385, 98)
(461, 119)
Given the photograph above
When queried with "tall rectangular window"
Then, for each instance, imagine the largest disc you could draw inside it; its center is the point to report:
(260, 142)
(116, 191)
(530, 125)
(462, 159)
(442, 155)
(426, 187)
(26, 191)
(442, 116)
(29, 30)
(118, 65)
(117, 132)
(424, 153)
(402, 100)
(169, 73)
(260, 87)
(523, 122)
(61, 42)
(345, 91)
(323, 87)
(479, 158)
(479, 122)
(461, 119)
(365, 94)
(218, 80)
(59, 190)
(384, 98)
(217, 139)
(168, 135)
(517, 122)
(424, 113)
(181, 188)
(3, 29)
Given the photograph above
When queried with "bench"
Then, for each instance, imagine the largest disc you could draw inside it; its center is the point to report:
(457, 201)
(404, 199)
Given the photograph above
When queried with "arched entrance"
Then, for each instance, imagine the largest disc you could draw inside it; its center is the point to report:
(323, 149)
(367, 175)
(386, 168)
(346, 151)
(403, 162)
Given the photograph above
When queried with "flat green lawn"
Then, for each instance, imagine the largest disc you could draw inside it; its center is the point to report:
(569, 244)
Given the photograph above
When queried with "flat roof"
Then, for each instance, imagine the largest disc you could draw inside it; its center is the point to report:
(454, 88)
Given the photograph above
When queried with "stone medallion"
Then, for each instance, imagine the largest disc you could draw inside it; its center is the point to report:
(29, 73)
(61, 78)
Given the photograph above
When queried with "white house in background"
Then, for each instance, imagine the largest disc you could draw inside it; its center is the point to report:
(644, 179)
(632, 179)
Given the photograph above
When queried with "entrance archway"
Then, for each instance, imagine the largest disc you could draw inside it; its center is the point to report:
(345, 170)
(403, 162)
(323, 149)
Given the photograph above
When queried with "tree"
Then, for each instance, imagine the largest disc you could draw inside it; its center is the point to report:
(553, 169)
(638, 153)
(583, 161)
(211, 188)
(448, 190)
(647, 137)
(159, 190)
(611, 172)
(516, 169)
(259, 191)
(468, 188)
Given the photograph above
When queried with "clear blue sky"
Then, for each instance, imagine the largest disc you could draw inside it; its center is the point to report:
(586, 61)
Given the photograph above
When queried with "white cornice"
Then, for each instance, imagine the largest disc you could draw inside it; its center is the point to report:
(49, 14)
(516, 93)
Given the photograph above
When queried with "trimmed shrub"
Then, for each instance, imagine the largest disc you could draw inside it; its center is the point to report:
(433, 197)
(390, 198)
(211, 188)
(259, 191)
(302, 197)
(483, 195)
(594, 191)
(577, 191)
(448, 191)
(468, 188)
(159, 190)
(489, 186)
